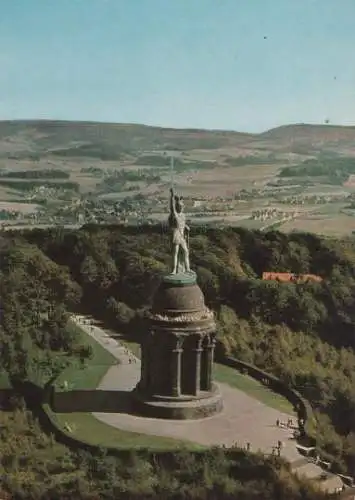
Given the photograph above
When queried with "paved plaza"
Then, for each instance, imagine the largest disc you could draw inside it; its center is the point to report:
(243, 420)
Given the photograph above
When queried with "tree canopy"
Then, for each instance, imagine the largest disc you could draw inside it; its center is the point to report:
(303, 333)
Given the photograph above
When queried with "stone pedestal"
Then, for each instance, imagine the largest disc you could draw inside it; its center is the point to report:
(177, 354)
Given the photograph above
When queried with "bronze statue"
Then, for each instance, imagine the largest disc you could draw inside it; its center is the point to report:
(178, 227)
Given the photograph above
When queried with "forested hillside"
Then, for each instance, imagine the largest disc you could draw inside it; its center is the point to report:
(303, 333)
(111, 141)
(36, 344)
(35, 294)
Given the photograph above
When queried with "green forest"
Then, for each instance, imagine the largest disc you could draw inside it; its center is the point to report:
(117, 180)
(102, 151)
(180, 165)
(49, 173)
(28, 185)
(241, 161)
(336, 169)
(302, 333)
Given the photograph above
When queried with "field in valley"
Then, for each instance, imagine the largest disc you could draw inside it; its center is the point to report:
(237, 177)
(337, 225)
(224, 180)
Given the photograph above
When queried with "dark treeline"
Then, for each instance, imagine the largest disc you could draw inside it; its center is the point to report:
(35, 345)
(241, 161)
(180, 165)
(336, 169)
(50, 173)
(32, 465)
(102, 151)
(303, 333)
(119, 178)
(23, 185)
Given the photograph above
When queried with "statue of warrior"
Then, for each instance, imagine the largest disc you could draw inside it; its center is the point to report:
(178, 226)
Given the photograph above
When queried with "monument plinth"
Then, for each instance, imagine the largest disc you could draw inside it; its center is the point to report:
(177, 353)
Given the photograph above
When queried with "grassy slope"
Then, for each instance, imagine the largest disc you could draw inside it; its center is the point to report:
(43, 135)
(230, 376)
(95, 368)
(85, 426)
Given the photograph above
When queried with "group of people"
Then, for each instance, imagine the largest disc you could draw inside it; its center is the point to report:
(278, 448)
(289, 424)
(275, 449)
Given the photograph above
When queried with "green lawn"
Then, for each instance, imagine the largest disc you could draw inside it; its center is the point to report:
(252, 387)
(86, 427)
(95, 368)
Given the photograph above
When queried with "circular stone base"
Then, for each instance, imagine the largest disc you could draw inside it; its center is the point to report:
(178, 409)
(180, 279)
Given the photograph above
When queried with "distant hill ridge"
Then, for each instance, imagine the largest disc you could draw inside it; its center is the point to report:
(302, 130)
(113, 139)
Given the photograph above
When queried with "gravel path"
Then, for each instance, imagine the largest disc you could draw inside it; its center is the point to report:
(243, 419)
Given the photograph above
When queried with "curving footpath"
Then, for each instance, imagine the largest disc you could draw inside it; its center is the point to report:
(243, 420)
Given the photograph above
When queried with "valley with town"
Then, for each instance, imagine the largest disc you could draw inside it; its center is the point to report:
(294, 178)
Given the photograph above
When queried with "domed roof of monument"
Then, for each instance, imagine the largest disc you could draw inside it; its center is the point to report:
(176, 297)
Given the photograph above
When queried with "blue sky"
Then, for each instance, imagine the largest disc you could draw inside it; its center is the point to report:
(179, 63)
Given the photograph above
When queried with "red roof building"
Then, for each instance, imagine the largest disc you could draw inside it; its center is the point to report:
(291, 277)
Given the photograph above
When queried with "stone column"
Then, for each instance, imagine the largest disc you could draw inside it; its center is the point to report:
(197, 368)
(176, 368)
(210, 356)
